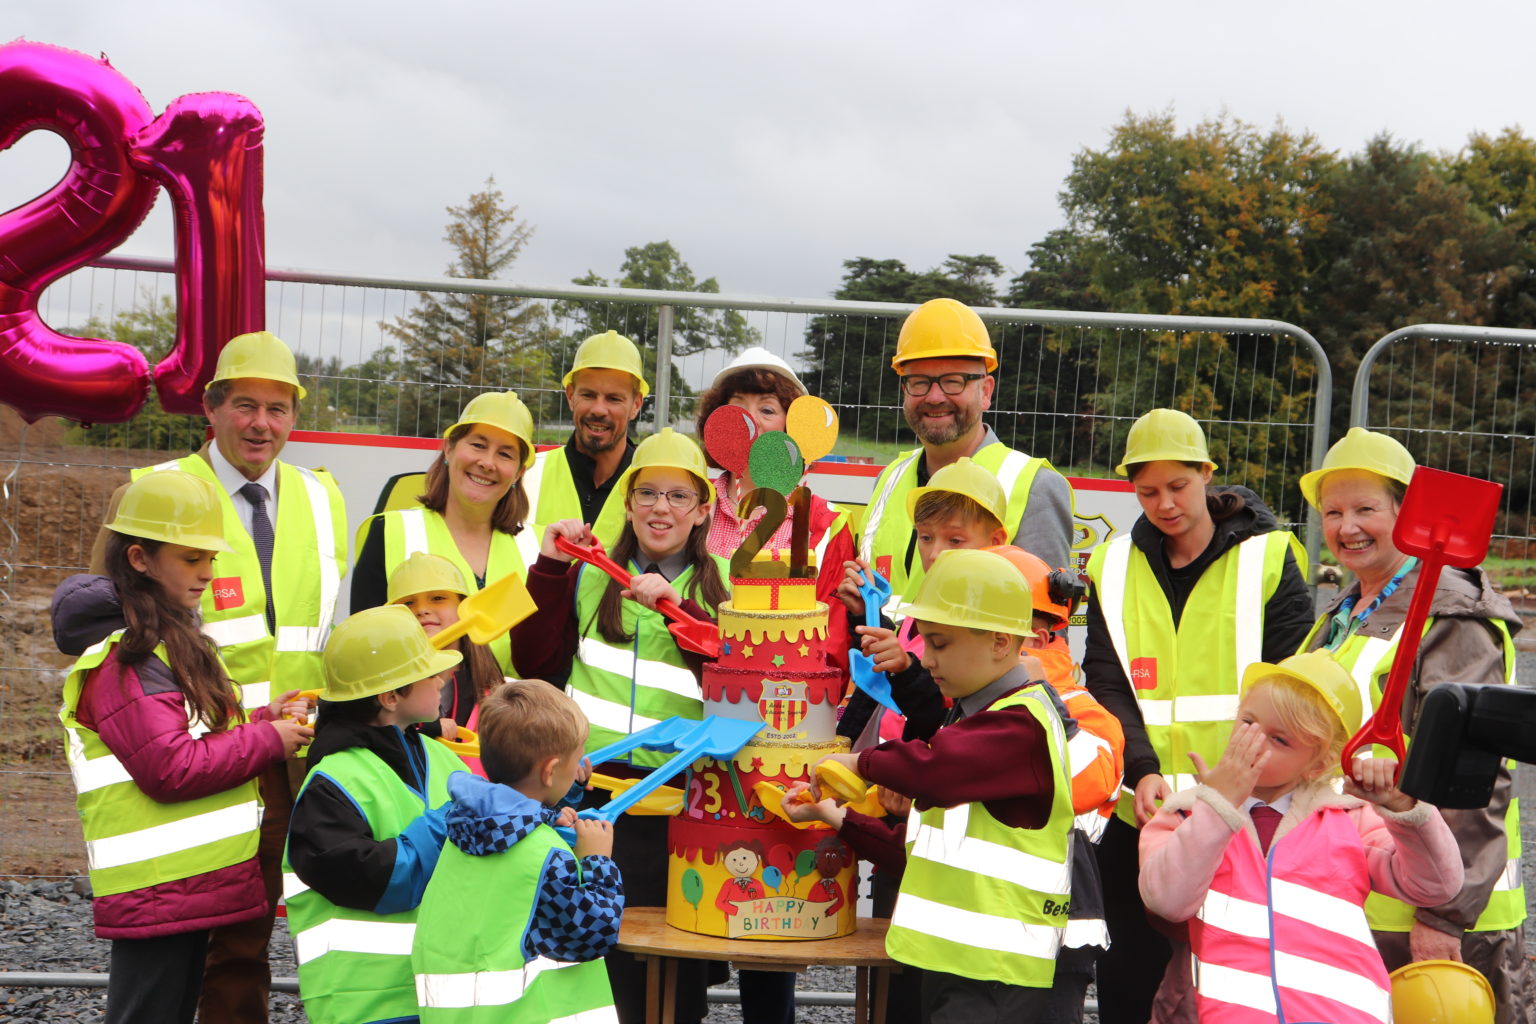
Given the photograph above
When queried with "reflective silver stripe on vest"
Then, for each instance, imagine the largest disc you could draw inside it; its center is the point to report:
(876, 509)
(482, 988)
(1249, 646)
(340, 935)
(1240, 988)
(330, 571)
(1246, 988)
(950, 845)
(605, 714)
(1363, 671)
(972, 928)
(657, 675)
(300, 639)
(173, 836)
(93, 773)
(1091, 824)
(1014, 463)
(1510, 879)
(292, 886)
(1318, 909)
(1178, 783)
(1111, 595)
(1214, 707)
(242, 629)
(1083, 752)
(255, 695)
(1088, 931)
(413, 531)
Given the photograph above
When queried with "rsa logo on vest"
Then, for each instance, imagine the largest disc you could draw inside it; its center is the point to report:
(228, 592)
(1144, 673)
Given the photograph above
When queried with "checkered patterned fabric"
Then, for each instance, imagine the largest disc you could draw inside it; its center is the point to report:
(578, 911)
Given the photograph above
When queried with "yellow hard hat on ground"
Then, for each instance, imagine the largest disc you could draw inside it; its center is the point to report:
(260, 354)
(975, 590)
(424, 572)
(609, 351)
(759, 358)
(504, 411)
(378, 650)
(944, 329)
(965, 477)
(1038, 575)
(1165, 434)
(1327, 677)
(671, 449)
(1360, 449)
(173, 507)
(1441, 992)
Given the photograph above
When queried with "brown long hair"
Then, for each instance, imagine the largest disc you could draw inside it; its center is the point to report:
(749, 380)
(1222, 506)
(483, 668)
(153, 620)
(510, 513)
(706, 587)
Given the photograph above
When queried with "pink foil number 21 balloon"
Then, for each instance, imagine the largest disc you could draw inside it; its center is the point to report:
(206, 149)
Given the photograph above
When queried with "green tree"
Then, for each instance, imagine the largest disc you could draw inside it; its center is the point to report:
(1499, 173)
(457, 344)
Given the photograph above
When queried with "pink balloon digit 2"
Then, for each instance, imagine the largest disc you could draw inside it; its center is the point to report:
(98, 203)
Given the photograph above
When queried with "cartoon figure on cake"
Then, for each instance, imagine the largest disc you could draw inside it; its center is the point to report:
(832, 856)
(741, 858)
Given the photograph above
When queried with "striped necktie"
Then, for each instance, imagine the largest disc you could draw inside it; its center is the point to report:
(261, 533)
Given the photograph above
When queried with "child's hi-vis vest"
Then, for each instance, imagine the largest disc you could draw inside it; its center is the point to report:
(1368, 660)
(355, 965)
(980, 899)
(132, 841)
(887, 529)
(468, 953)
(1284, 938)
(309, 557)
(411, 530)
(1186, 678)
(624, 687)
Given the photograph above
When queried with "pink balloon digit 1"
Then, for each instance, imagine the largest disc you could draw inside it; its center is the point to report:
(207, 151)
(98, 203)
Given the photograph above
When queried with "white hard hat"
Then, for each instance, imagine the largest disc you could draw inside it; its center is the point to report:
(759, 358)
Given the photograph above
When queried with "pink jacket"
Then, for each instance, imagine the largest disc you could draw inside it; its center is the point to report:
(143, 721)
(1296, 909)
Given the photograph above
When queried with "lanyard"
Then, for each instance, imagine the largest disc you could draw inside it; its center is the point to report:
(1345, 624)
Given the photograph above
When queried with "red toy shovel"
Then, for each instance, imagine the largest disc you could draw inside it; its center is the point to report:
(691, 633)
(1446, 519)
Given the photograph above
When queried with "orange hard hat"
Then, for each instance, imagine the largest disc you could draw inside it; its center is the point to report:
(1054, 592)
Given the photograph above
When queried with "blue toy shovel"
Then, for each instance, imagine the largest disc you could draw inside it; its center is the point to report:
(875, 590)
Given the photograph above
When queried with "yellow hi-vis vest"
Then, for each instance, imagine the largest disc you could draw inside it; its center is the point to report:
(625, 687)
(888, 529)
(410, 530)
(552, 497)
(309, 557)
(1368, 660)
(980, 899)
(133, 841)
(1186, 679)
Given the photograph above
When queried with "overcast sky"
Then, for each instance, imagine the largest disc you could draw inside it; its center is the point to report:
(768, 142)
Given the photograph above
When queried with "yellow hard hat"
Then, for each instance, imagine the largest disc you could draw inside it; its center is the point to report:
(424, 572)
(503, 410)
(377, 650)
(1441, 992)
(1165, 434)
(965, 477)
(976, 590)
(944, 329)
(174, 507)
(1324, 675)
(1360, 449)
(671, 449)
(1038, 575)
(260, 354)
(609, 351)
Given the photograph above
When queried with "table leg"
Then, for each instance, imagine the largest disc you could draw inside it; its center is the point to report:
(669, 992)
(653, 990)
(882, 994)
(861, 994)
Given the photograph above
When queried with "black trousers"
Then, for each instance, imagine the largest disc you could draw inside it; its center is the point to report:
(951, 999)
(1138, 953)
(156, 981)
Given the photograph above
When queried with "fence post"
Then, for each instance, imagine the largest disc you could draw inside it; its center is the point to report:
(663, 366)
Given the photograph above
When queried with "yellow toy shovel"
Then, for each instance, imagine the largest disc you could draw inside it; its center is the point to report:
(487, 614)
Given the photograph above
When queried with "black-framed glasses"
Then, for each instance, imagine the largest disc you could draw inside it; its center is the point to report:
(917, 385)
(645, 497)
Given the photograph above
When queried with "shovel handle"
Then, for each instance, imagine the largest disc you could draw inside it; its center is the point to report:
(597, 558)
(448, 634)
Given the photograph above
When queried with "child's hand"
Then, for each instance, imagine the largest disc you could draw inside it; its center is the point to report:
(1374, 782)
(848, 761)
(594, 837)
(573, 530)
(1237, 772)
(291, 705)
(893, 802)
(797, 808)
(1035, 667)
(848, 588)
(882, 645)
(566, 817)
(1151, 791)
(449, 728)
(292, 734)
(584, 771)
(650, 589)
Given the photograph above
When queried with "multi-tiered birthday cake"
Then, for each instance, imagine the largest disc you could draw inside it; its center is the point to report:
(735, 868)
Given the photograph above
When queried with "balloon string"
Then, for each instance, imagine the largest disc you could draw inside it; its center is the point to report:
(13, 540)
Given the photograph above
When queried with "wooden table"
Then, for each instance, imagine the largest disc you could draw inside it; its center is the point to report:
(645, 933)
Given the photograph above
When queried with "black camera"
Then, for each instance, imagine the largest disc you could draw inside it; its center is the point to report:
(1463, 733)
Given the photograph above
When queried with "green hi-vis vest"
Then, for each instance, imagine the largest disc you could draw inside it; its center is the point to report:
(1186, 678)
(132, 841)
(552, 497)
(888, 528)
(1368, 660)
(980, 899)
(411, 530)
(309, 556)
(468, 953)
(355, 965)
(625, 687)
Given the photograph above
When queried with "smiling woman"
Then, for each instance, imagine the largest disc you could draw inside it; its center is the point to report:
(473, 507)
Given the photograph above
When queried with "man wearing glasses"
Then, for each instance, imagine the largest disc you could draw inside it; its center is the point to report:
(945, 359)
